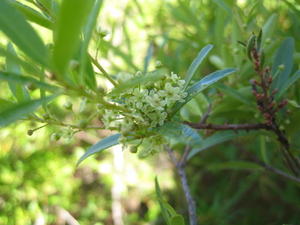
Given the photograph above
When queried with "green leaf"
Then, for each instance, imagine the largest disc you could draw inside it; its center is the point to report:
(196, 63)
(234, 94)
(234, 165)
(72, 17)
(215, 139)
(294, 104)
(88, 31)
(180, 132)
(119, 53)
(288, 83)
(191, 135)
(29, 67)
(18, 91)
(263, 149)
(90, 79)
(147, 78)
(250, 45)
(47, 5)
(170, 210)
(14, 25)
(169, 214)
(201, 85)
(284, 56)
(207, 81)
(148, 57)
(4, 104)
(177, 220)
(161, 202)
(293, 7)
(19, 111)
(223, 6)
(269, 27)
(100, 146)
(33, 15)
(24, 80)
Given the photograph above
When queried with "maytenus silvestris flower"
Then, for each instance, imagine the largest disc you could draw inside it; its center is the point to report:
(147, 106)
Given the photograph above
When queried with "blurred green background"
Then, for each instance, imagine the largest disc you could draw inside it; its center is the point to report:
(39, 181)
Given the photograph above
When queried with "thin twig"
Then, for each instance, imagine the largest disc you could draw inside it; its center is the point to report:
(255, 126)
(97, 64)
(59, 123)
(278, 171)
(206, 115)
(269, 167)
(180, 166)
(185, 155)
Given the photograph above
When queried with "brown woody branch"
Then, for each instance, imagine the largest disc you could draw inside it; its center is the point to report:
(180, 166)
(209, 126)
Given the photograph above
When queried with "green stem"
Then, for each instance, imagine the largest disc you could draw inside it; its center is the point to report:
(105, 74)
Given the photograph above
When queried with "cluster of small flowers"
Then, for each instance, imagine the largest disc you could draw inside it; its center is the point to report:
(147, 106)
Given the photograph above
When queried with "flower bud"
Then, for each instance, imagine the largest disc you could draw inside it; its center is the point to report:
(46, 116)
(133, 149)
(100, 106)
(68, 105)
(158, 64)
(74, 65)
(55, 137)
(281, 67)
(30, 132)
(83, 124)
(31, 86)
(102, 33)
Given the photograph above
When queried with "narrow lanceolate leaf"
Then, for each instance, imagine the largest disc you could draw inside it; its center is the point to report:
(283, 58)
(33, 15)
(177, 220)
(234, 165)
(19, 111)
(169, 214)
(161, 202)
(288, 83)
(89, 78)
(213, 140)
(28, 67)
(203, 84)
(18, 30)
(143, 79)
(207, 81)
(196, 63)
(4, 104)
(72, 17)
(148, 57)
(269, 27)
(100, 146)
(192, 136)
(236, 94)
(180, 132)
(19, 91)
(14, 78)
(48, 5)
(88, 30)
(119, 53)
